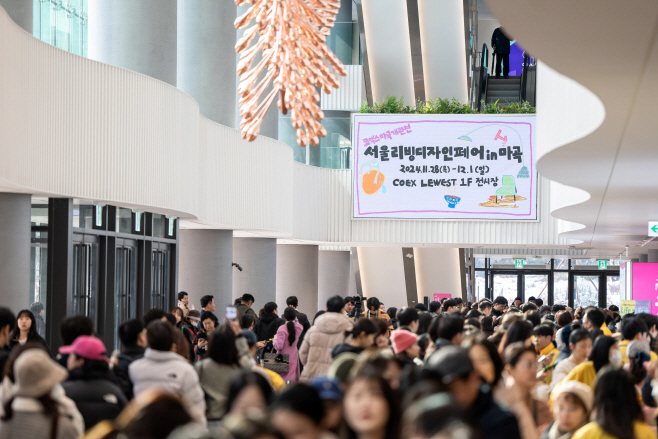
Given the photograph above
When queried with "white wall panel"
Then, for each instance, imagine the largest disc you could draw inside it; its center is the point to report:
(347, 97)
(73, 127)
(382, 275)
(437, 272)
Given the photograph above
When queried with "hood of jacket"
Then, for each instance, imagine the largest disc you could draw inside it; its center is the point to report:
(268, 318)
(333, 323)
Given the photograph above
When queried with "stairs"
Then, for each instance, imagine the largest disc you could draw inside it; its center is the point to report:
(504, 90)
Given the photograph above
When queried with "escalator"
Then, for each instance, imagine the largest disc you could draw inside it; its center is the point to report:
(489, 89)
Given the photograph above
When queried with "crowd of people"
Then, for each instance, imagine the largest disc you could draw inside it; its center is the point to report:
(356, 370)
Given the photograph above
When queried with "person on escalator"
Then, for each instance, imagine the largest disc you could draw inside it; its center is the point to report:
(500, 44)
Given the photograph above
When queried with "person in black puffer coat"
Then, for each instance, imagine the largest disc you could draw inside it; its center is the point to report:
(267, 326)
(89, 384)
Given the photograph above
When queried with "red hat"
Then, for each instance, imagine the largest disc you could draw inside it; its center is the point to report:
(402, 340)
(86, 346)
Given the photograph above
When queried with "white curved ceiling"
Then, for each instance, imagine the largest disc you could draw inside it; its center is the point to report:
(609, 47)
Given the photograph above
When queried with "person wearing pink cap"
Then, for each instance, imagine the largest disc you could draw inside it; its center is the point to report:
(405, 345)
(90, 384)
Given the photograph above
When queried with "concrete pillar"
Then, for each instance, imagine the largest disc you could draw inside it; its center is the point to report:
(297, 275)
(204, 266)
(382, 275)
(15, 250)
(653, 255)
(437, 272)
(270, 125)
(136, 35)
(389, 50)
(444, 49)
(333, 276)
(257, 257)
(643, 258)
(206, 61)
(20, 11)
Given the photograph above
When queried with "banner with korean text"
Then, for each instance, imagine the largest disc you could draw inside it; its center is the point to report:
(444, 166)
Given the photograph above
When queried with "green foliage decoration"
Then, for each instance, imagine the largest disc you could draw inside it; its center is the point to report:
(393, 105)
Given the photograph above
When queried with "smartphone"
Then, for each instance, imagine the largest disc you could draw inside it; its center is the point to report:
(231, 313)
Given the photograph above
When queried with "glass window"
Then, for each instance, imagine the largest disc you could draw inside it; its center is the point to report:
(499, 260)
(334, 150)
(505, 285)
(62, 24)
(39, 215)
(124, 220)
(538, 261)
(586, 291)
(561, 288)
(83, 214)
(344, 42)
(479, 292)
(38, 278)
(85, 279)
(536, 285)
(480, 262)
(561, 264)
(159, 225)
(613, 295)
(585, 262)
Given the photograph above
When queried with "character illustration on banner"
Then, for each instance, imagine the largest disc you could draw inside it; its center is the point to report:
(371, 180)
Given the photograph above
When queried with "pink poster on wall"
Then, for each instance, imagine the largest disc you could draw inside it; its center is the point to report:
(645, 283)
(439, 297)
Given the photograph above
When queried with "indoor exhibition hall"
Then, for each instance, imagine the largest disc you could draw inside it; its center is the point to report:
(328, 219)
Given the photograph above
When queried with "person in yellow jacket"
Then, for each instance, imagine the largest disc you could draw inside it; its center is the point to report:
(373, 312)
(617, 412)
(633, 329)
(604, 352)
(544, 336)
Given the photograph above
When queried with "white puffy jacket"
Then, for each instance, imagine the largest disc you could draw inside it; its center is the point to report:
(168, 371)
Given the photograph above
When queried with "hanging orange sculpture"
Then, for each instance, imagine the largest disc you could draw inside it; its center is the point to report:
(292, 36)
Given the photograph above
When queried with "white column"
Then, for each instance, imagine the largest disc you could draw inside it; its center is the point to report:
(204, 266)
(15, 250)
(297, 275)
(20, 11)
(257, 257)
(444, 51)
(382, 275)
(437, 272)
(333, 276)
(270, 125)
(206, 56)
(138, 35)
(389, 50)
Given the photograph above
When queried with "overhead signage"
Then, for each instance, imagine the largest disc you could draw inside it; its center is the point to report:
(603, 265)
(444, 167)
(653, 228)
(518, 263)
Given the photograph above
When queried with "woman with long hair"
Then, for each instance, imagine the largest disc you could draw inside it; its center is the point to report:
(580, 345)
(25, 330)
(521, 366)
(249, 393)
(485, 358)
(604, 352)
(32, 412)
(217, 371)
(371, 409)
(518, 332)
(298, 413)
(286, 340)
(487, 325)
(617, 413)
(363, 336)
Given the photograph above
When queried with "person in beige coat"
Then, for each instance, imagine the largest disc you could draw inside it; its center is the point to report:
(328, 330)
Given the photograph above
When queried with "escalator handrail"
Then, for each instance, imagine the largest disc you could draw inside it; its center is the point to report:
(524, 77)
(484, 61)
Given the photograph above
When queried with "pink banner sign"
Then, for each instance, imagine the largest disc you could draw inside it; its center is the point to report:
(645, 284)
(439, 297)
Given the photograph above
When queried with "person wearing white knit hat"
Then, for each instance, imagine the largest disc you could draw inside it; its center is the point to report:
(572, 406)
(33, 412)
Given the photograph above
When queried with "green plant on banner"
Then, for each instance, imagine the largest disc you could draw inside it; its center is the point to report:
(393, 105)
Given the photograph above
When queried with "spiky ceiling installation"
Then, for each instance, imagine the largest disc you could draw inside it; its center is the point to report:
(292, 36)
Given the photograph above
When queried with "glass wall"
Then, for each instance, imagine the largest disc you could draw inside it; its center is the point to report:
(334, 150)
(575, 282)
(344, 42)
(62, 24)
